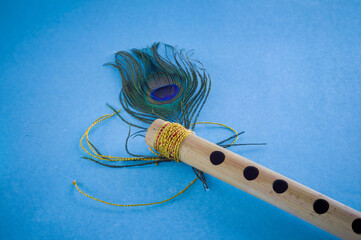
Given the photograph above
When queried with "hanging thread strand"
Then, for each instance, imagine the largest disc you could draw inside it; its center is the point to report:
(134, 205)
(96, 155)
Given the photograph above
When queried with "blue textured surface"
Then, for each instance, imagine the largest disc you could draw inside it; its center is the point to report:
(286, 72)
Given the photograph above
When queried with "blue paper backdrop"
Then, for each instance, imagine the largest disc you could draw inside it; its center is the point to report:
(286, 72)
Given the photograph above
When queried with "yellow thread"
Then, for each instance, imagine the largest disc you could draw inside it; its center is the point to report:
(150, 149)
(167, 142)
(168, 139)
(111, 158)
(133, 205)
(94, 154)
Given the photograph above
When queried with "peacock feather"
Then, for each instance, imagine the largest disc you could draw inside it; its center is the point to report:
(158, 82)
(161, 82)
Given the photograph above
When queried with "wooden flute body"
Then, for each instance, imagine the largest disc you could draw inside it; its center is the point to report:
(276, 189)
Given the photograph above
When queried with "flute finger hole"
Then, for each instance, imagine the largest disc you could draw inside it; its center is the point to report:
(217, 157)
(250, 173)
(280, 186)
(356, 225)
(321, 206)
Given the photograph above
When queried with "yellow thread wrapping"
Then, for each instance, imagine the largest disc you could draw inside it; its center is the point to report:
(168, 139)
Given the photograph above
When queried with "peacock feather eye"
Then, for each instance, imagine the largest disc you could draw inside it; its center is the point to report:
(163, 89)
(165, 93)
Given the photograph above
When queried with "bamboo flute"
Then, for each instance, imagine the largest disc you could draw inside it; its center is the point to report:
(276, 189)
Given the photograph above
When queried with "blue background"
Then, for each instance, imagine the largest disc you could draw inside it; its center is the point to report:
(286, 72)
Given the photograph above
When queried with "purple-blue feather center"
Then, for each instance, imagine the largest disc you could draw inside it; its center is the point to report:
(165, 93)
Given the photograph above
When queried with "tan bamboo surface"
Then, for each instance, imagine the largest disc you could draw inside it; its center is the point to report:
(299, 200)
